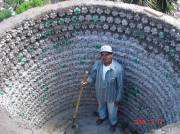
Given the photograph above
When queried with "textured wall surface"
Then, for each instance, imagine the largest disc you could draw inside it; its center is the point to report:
(44, 52)
(173, 128)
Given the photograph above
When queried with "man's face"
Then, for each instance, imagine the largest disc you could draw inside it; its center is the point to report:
(106, 58)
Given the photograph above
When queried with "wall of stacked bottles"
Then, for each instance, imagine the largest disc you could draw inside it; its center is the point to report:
(43, 57)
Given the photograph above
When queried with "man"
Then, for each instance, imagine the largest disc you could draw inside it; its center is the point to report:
(108, 77)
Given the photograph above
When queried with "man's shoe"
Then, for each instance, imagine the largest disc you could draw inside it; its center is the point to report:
(113, 128)
(100, 121)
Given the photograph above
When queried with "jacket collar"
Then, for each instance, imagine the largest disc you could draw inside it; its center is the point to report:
(112, 65)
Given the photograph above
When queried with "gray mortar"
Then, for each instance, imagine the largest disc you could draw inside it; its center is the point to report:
(45, 51)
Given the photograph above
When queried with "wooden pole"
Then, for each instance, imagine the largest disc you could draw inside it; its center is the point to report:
(85, 76)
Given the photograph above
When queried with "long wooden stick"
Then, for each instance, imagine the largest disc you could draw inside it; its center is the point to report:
(85, 76)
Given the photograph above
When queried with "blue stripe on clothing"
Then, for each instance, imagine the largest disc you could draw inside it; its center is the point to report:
(110, 89)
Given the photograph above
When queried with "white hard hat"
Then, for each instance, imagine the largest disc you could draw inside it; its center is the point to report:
(106, 48)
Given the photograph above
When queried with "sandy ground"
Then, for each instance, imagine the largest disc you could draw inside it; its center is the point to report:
(86, 125)
(9, 125)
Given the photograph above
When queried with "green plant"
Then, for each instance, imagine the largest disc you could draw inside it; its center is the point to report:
(36, 3)
(29, 4)
(5, 13)
(24, 6)
(13, 3)
(165, 6)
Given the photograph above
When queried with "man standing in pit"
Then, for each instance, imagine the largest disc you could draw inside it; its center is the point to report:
(108, 77)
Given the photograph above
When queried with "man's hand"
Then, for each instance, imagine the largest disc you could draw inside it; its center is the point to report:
(84, 83)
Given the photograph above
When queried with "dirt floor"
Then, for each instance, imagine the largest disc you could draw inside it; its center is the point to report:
(86, 125)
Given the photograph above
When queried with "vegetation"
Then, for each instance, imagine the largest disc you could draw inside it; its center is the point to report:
(29, 4)
(13, 3)
(165, 6)
(4, 13)
(13, 7)
(19, 6)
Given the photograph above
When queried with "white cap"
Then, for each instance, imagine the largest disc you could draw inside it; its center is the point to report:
(106, 48)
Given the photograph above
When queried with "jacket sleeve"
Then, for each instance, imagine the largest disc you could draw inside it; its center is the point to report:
(120, 89)
(92, 73)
